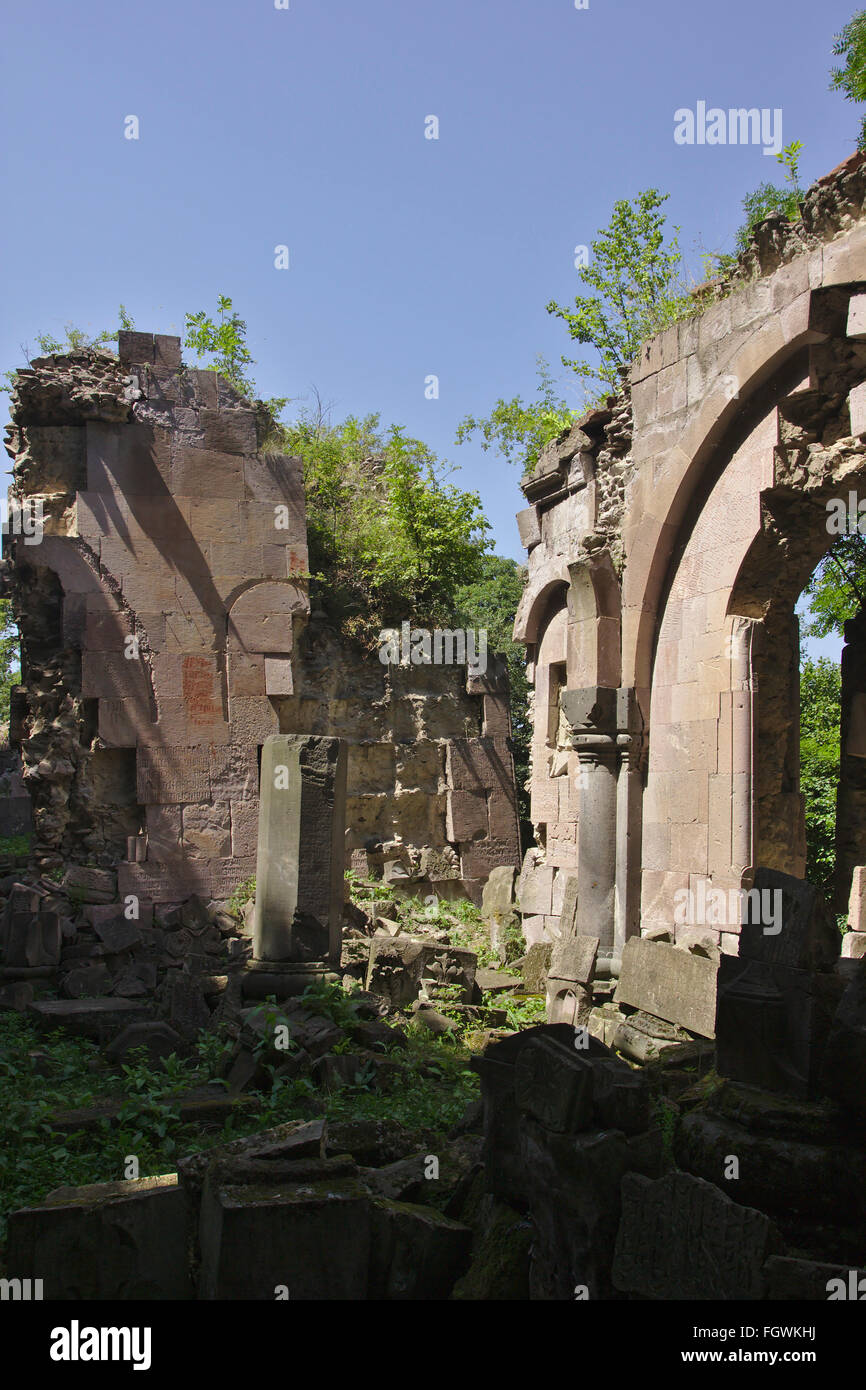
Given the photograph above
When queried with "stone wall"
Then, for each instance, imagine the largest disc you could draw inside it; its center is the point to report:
(166, 632)
(669, 537)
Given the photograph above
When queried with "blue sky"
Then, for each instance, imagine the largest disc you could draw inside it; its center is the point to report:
(408, 256)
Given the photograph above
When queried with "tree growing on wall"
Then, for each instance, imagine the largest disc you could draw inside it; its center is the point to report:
(633, 270)
(519, 430)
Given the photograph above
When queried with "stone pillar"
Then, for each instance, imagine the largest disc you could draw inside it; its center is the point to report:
(596, 848)
(300, 860)
(607, 735)
(629, 824)
(742, 752)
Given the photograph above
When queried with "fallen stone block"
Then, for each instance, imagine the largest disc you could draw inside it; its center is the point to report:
(772, 1024)
(90, 885)
(307, 1242)
(158, 1038)
(818, 1182)
(681, 1238)
(843, 1072)
(416, 1252)
(119, 1240)
(787, 922)
(99, 1019)
(671, 984)
(399, 965)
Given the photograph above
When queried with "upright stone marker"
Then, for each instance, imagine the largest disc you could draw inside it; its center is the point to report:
(299, 867)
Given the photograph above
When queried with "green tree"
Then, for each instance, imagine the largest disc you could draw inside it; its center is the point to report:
(837, 589)
(519, 431)
(633, 270)
(225, 340)
(389, 535)
(850, 78)
(820, 698)
(10, 657)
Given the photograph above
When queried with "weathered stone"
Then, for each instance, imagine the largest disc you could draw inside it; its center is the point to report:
(159, 1039)
(680, 1237)
(772, 1024)
(536, 964)
(311, 1240)
(791, 1280)
(299, 873)
(109, 1241)
(843, 1073)
(574, 959)
(786, 922)
(672, 984)
(417, 1253)
(91, 885)
(554, 1084)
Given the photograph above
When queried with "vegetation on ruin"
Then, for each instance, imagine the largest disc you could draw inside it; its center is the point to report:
(633, 269)
(820, 697)
(10, 657)
(490, 602)
(520, 430)
(849, 77)
(390, 538)
(74, 1076)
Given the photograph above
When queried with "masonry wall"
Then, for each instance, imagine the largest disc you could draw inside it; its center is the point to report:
(669, 537)
(166, 633)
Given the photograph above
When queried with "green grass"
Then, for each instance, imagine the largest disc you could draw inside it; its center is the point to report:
(430, 1095)
(14, 845)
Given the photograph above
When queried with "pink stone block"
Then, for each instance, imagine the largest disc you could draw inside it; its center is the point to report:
(206, 473)
(857, 899)
(278, 675)
(261, 618)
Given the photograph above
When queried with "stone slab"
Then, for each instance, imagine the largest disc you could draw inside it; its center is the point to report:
(672, 984)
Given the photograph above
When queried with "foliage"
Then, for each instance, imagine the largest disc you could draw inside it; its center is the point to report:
(225, 341)
(633, 271)
(10, 657)
(491, 602)
(76, 340)
(243, 894)
(768, 199)
(820, 702)
(837, 589)
(520, 431)
(850, 78)
(14, 845)
(394, 539)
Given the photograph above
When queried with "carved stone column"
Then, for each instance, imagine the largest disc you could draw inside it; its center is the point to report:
(606, 733)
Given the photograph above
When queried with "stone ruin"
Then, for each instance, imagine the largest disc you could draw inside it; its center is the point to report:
(166, 634)
(669, 536)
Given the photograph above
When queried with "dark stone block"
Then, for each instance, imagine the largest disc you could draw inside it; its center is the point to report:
(786, 922)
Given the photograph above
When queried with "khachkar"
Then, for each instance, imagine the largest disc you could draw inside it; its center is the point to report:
(301, 851)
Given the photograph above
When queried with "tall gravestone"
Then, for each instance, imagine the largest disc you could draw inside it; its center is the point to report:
(300, 859)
